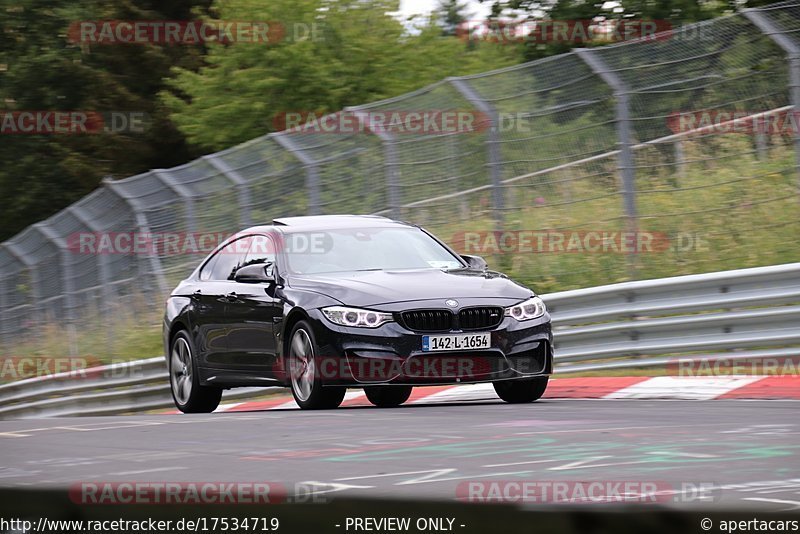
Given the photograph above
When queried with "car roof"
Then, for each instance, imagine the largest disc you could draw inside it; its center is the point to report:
(327, 222)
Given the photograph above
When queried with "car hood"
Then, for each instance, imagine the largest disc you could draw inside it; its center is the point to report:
(371, 288)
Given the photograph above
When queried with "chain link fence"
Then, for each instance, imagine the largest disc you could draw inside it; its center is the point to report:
(600, 140)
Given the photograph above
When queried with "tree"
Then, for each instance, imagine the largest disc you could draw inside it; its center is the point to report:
(43, 70)
(673, 12)
(335, 53)
(451, 14)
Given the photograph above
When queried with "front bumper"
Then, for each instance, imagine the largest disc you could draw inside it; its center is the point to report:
(392, 354)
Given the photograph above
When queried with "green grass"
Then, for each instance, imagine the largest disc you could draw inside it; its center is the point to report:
(736, 211)
(126, 333)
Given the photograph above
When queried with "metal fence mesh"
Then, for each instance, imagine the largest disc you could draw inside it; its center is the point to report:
(598, 140)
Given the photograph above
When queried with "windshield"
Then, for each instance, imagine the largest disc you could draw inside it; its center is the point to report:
(365, 249)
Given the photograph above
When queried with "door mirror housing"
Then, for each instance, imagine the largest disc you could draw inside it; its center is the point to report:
(255, 273)
(476, 263)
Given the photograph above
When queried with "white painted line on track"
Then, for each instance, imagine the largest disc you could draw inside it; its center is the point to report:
(686, 387)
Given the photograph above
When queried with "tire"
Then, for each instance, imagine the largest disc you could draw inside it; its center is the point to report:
(302, 363)
(184, 380)
(387, 396)
(521, 391)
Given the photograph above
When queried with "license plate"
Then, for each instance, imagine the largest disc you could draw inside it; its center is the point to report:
(456, 342)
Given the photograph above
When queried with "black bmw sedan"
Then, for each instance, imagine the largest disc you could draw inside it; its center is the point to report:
(324, 303)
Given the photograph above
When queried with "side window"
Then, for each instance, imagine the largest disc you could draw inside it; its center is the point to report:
(228, 259)
(262, 250)
(205, 272)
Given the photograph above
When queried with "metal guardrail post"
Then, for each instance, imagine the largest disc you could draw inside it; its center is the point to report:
(493, 146)
(391, 172)
(142, 225)
(3, 308)
(33, 271)
(68, 281)
(761, 145)
(102, 267)
(311, 166)
(680, 159)
(792, 49)
(625, 156)
(183, 192)
(241, 185)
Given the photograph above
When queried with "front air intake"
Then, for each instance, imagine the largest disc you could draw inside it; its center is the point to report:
(428, 320)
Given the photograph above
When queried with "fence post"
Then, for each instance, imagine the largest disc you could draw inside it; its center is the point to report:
(680, 159)
(761, 144)
(68, 282)
(493, 146)
(3, 310)
(242, 187)
(141, 223)
(625, 157)
(33, 271)
(792, 49)
(311, 166)
(103, 268)
(391, 173)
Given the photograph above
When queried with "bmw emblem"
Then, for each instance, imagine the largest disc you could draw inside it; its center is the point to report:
(451, 302)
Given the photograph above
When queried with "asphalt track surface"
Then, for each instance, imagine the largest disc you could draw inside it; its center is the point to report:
(749, 451)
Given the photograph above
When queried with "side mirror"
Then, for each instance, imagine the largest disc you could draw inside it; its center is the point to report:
(475, 263)
(254, 274)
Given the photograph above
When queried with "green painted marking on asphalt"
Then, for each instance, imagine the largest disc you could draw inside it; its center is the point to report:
(542, 448)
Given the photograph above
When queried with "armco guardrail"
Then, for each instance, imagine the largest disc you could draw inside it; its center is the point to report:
(135, 386)
(747, 313)
(729, 310)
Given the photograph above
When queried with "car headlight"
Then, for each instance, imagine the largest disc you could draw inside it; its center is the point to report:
(356, 317)
(530, 309)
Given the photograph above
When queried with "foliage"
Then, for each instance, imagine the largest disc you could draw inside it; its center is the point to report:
(43, 70)
(674, 12)
(344, 52)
